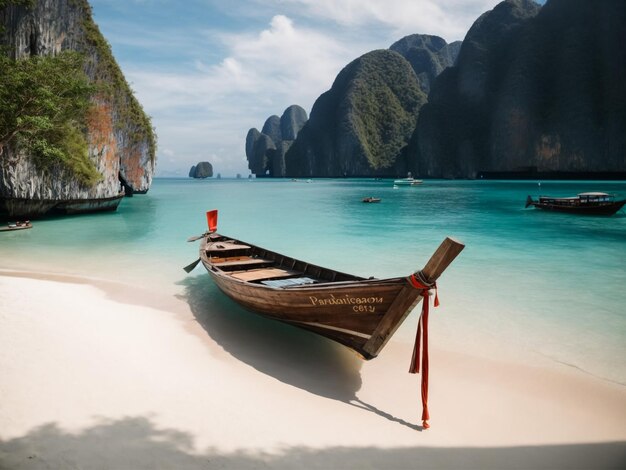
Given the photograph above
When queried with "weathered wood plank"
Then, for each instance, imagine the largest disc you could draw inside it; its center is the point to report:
(224, 247)
(243, 263)
(398, 311)
(258, 274)
(441, 259)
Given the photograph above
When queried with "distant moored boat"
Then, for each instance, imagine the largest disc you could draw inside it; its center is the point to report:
(17, 226)
(584, 203)
(408, 181)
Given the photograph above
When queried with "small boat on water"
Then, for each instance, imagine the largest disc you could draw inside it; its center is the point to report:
(371, 199)
(593, 203)
(17, 226)
(360, 313)
(407, 182)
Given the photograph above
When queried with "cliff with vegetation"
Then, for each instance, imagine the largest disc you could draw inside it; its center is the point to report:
(362, 124)
(113, 143)
(534, 90)
(428, 55)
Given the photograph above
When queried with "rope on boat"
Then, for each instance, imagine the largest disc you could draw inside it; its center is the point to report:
(419, 281)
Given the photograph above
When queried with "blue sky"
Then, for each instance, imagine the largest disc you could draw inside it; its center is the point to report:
(206, 71)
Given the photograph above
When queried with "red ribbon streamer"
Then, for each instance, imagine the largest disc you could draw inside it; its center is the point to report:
(421, 343)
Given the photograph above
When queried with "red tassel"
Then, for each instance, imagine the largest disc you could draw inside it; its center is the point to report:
(414, 368)
(421, 345)
(425, 415)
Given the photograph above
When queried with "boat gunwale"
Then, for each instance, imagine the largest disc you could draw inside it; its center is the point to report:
(357, 281)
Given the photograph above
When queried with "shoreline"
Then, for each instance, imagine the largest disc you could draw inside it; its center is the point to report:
(192, 378)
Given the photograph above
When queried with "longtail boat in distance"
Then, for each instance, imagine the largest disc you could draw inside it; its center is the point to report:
(17, 226)
(407, 182)
(360, 313)
(584, 203)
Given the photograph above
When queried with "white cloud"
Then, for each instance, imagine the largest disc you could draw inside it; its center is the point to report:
(449, 19)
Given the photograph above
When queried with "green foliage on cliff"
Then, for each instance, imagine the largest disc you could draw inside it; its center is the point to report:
(26, 3)
(385, 99)
(111, 81)
(44, 101)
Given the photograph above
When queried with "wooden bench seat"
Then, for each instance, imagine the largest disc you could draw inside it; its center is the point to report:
(243, 263)
(268, 273)
(225, 247)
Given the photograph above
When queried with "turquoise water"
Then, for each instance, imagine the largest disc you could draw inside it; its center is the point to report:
(528, 284)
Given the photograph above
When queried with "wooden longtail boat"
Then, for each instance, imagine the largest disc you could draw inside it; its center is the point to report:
(16, 226)
(407, 182)
(583, 203)
(360, 313)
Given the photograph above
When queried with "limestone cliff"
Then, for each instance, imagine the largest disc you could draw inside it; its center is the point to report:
(537, 89)
(361, 126)
(428, 55)
(266, 150)
(119, 134)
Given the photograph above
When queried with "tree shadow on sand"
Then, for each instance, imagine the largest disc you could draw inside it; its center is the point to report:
(289, 354)
(136, 443)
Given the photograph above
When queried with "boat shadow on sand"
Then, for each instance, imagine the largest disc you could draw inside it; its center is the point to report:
(286, 353)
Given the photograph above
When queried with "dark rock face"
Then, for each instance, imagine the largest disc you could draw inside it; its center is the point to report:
(361, 126)
(428, 55)
(532, 88)
(292, 121)
(201, 170)
(251, 140)
(271, 128)
(119, 134)
(266, 150)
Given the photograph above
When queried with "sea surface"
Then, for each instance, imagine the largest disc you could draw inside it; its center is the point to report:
(530, 285)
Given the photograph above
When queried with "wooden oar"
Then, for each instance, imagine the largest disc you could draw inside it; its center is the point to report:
(197, 237)
(192, 266)
(211, 217)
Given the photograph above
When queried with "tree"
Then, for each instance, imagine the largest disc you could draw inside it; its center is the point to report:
(44, 102)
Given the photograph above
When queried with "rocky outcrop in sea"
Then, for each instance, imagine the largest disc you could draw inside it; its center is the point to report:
(201, 170)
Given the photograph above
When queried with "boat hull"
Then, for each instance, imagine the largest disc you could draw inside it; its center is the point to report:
(407, 182)
(348, 315)
(10, 228)
(608, 208)
(359, 313)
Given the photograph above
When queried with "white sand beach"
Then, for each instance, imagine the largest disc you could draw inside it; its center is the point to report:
(96, 374)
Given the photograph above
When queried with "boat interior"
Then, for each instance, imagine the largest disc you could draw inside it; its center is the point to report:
(257, 265)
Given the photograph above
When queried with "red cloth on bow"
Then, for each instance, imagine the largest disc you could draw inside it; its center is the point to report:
(421, 343)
